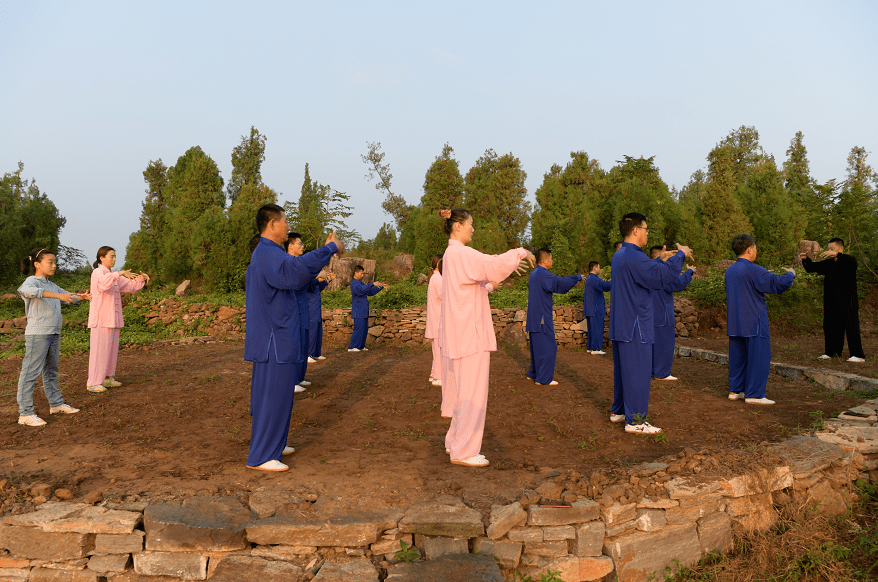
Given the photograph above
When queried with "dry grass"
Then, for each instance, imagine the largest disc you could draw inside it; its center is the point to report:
(802, 546)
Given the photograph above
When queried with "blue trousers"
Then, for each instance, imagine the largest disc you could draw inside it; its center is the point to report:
(543, 351)
(272, 387)
(632, 365)
(361, 330)
(595, 325)
(315, 338)
(749, 365)
(40, 357)
(663, 351)
(304, 334)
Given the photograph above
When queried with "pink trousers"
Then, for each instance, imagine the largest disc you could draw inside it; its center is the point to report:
(102, 354)
(449, 387)
(469, 377)
(436, 371)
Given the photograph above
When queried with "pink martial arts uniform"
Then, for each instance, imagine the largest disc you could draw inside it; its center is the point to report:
(105, 321)
(434, 295)
(466, 338)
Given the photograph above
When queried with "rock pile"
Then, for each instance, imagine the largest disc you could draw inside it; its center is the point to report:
(198, 318)
(635, 522)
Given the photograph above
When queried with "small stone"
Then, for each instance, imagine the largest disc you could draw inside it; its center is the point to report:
(93, 497)
(41, 490)
(64, 494)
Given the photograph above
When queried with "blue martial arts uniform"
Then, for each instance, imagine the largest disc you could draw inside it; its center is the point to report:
(302, 306)
(747, 324)
(360, 293)
(631, 325)
(273, 342)
(543, 346)
(315, 317)
(594, 310)
(666, 324)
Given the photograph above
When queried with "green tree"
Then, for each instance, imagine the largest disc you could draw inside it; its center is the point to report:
(403, 213)
(247, 158)
(144, 252)
(494, 192)
(320, 210)
(443, 189)
(800, 186)
(195, 201)
(855, 207)
(386, 238)
(28, 219)
(776, 216)
(720, 213)
(563, 261)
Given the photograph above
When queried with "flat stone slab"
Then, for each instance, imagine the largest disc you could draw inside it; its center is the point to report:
(45, 513)
(361, 570)
(198, 524)
(268, 503)
(806, 455)
(853, 438)
(96, 520)
(689, 487)
(469, 567)
(643, 554)
(578, 512)
(36, 544)
(353, 528)
(238, 568)
(445, 516)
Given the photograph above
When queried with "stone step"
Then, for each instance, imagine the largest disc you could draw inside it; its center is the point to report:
(469, 567)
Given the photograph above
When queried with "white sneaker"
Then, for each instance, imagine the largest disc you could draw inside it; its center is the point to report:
(667, 378)
(823, 357)
(617, 418)
(643, 428)
(311, 360)
(321, 357)
(736, 396)
(353, 350)
(552, 383)
(272, 465)
(64, 409)
(477, 461)
(288, 451)
(598, 353)
(111, 382)
(365, 349)
(32, 420)
(304, 383)
(762, 401)
(298, 389)
(98, 388)
(856, 359)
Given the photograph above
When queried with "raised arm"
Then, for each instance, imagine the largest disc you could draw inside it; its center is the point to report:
(296, 272)
(768, 282)
(481, 267)
(555, 284)
(657, 274)
(680, 282)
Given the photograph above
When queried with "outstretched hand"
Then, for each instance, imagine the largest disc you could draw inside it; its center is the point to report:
(828, 254)
(333, 238)
(686, 250)
(529, 261)
(692, 267)
(666, 254)
(788, 270)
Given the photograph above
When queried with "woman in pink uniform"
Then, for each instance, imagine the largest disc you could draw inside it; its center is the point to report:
(434, 296)
(466, 332)
(105, 317)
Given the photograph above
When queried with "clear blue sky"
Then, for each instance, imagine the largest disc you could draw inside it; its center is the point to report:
(94, 90)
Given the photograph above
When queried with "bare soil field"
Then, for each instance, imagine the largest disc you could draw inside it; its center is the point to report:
(368, 431)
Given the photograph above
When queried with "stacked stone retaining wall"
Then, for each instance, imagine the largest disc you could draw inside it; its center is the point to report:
(651, 517)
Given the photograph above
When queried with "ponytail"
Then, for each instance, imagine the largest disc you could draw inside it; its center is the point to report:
(27, 263)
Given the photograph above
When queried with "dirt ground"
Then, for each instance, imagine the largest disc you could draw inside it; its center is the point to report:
(368, 431)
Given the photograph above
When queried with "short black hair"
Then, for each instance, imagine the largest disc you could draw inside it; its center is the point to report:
(741, 243)
(542, 253)
(655, 248)
(837, 240)
(592, 265)
(629, 222)
(358, 268)
(266, 214)
(617, 244)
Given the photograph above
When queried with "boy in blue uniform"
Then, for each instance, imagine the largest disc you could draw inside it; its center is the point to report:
(665, 322)
(272, 340)
(631, 320)
(594, 308)
(747, 321)
(543, 346)
(360, 293)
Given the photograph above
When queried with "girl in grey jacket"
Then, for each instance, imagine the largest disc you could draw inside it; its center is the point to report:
(42, 336)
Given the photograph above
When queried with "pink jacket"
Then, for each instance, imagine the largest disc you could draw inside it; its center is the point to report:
(465, 325)
(105, 308)
(434, 298)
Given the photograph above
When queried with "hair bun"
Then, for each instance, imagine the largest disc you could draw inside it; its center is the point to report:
(446, 214)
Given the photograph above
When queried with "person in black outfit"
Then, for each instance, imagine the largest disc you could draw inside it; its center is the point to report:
(841, 307)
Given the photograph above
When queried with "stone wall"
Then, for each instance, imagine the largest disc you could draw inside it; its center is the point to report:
(642, 520)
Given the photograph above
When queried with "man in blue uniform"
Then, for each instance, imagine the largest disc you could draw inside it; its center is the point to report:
(541, 284)
(360, 293)
(272, 341)
(315, 312)
(665, 322)
(747, 321)
(631, 320)
(296, 248)
(841, 307)
(594, 308)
